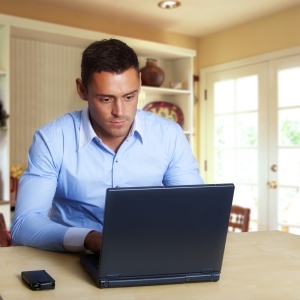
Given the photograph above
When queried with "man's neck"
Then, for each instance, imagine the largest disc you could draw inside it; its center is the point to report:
(115, 143)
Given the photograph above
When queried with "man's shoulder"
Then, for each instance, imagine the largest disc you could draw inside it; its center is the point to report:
(69, 121)
(151, 120)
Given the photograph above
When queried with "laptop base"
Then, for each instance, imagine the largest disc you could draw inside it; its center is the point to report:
(116, 281)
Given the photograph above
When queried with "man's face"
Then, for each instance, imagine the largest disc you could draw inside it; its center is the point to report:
(112, 100)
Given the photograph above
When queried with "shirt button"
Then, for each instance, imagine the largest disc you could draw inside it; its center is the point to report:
(117, 161)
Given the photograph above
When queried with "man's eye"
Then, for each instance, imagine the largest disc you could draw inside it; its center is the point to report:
(129, 97)
(105, 99)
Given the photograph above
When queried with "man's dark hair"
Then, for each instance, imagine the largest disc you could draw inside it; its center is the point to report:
(109, 56)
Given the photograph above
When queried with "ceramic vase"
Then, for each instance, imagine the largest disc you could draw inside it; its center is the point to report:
(152, 75)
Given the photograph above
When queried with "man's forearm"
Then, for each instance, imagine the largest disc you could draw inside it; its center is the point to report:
(39, 232)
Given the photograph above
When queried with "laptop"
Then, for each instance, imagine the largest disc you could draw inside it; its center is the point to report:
(162, 235)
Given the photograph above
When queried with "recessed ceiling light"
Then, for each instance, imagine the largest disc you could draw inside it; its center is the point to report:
(168, 4)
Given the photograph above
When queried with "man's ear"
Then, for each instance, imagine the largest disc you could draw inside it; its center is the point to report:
(81, 90)
(140, 78)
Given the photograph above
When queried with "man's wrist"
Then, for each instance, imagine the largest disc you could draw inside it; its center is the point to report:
(93, 241)
(74, 239)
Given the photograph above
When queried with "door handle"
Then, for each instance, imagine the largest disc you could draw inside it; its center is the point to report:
(274, 168)
(272, 184)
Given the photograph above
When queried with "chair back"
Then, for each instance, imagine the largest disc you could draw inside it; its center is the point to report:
(3, 242)
(2, 221)
(5, 238)
(239, 219)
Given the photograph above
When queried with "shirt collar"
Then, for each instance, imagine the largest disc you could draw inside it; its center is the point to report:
(137, 127)
(87, 133)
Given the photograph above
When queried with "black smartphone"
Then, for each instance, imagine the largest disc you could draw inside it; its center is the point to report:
(38, 280)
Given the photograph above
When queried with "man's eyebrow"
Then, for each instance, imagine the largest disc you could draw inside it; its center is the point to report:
(108, 95)
(135, 91)
(103, 95)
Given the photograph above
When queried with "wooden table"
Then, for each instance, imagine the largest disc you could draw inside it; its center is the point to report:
(256, 265)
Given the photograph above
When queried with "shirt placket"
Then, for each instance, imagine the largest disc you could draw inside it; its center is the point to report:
(118, 173)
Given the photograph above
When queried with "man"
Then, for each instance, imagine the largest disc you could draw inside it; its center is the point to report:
(75, 158)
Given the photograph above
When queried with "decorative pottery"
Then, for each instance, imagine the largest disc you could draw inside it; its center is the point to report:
(165, 109)
(152, 75)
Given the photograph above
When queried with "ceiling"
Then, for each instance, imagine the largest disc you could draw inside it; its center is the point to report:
(194, 17)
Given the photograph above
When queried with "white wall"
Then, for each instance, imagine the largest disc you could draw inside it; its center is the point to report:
(42, 89)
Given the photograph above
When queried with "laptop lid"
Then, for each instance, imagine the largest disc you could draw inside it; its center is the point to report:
(157, 235)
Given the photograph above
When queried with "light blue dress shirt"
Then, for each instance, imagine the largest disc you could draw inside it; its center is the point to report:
(61, 194)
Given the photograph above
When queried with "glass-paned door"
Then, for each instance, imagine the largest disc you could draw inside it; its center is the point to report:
(237, 116)
(253, 139)
(284, 171)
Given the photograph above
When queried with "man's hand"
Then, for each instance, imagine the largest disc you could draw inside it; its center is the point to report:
(93, 241)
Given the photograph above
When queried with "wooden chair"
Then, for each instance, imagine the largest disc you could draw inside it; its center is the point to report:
(4, 234)
(3, 242)
(239, 219)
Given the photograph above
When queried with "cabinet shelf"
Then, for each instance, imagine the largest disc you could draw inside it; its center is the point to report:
(164, 91)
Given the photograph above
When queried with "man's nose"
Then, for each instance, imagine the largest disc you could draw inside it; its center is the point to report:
(117, 109)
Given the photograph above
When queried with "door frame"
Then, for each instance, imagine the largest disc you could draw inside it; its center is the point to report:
(223, 67)
(261, 71)
(204, 154)
(282, 63)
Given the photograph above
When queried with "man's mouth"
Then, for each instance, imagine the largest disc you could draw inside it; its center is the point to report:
(117, 122)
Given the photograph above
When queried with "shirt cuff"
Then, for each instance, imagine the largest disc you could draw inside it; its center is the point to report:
(74, 239)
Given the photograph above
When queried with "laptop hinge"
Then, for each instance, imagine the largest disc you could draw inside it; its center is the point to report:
(204, 277)
(103, 283)
(215, 276)
(113, 276)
